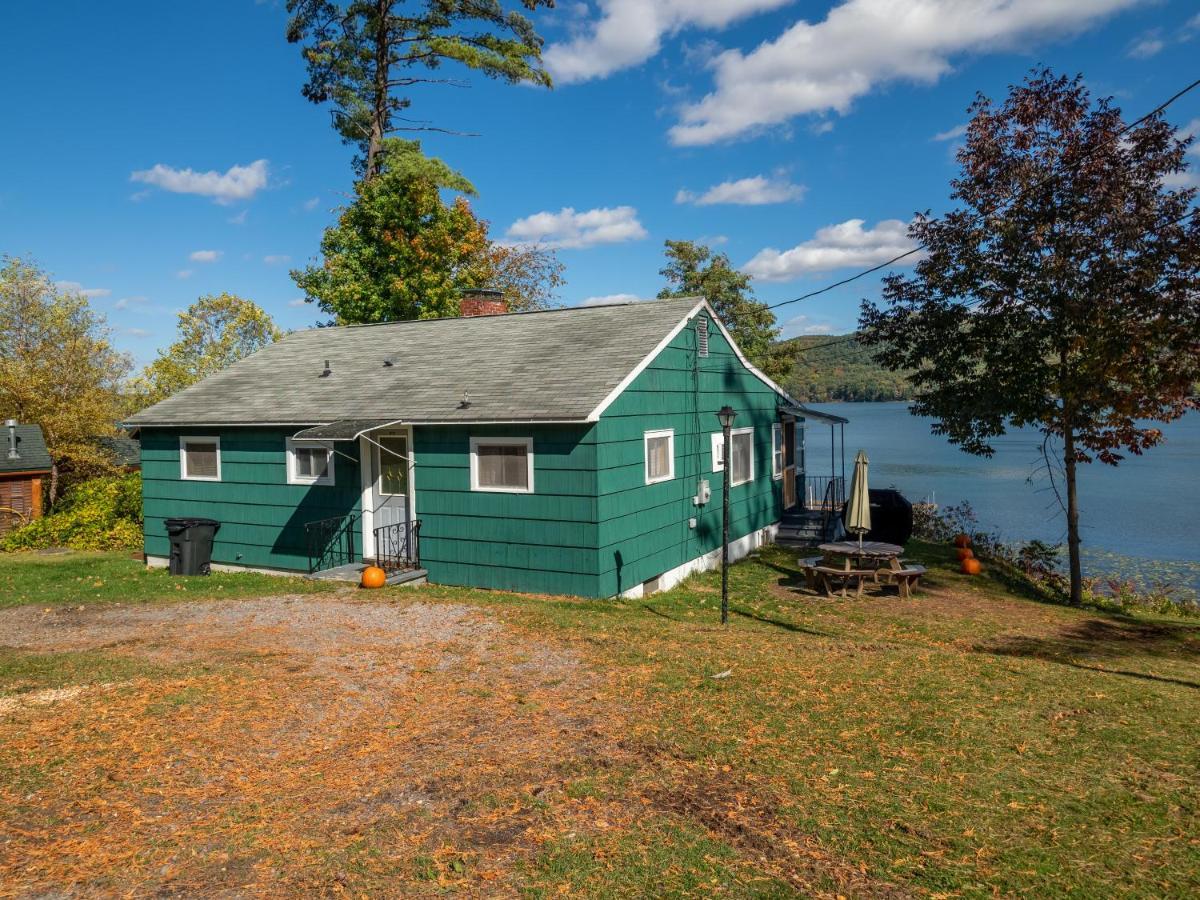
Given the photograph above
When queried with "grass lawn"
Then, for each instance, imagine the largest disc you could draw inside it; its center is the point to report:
(81, 578)
(965, 743)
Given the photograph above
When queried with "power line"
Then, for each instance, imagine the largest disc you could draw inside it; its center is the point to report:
(917, 249)
(853, 337)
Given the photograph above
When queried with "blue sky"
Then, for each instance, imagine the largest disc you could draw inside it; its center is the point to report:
(153, 152)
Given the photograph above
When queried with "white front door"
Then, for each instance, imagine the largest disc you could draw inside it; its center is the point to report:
(389, 484)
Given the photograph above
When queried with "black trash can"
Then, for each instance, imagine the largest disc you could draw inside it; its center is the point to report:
(191, 545)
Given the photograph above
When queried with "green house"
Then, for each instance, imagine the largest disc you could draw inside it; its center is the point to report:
(572, 451)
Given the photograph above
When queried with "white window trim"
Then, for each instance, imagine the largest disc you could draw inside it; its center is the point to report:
(526, 442)
(294, 477)
(777, 457)
(184, 440)
(669, 434)
(718, 447)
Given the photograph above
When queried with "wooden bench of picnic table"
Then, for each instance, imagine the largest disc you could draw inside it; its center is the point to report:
(906, 576)
(820, 577)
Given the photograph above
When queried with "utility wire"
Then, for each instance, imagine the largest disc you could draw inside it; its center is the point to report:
(853, 336)
(917, 249)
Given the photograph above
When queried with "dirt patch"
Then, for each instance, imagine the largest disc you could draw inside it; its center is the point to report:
(324, 742)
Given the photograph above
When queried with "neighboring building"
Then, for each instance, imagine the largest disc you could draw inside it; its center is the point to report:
(572, 451)
(24, 462)
(123, 450)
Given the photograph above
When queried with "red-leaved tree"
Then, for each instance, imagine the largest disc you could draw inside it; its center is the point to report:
(1063, 294)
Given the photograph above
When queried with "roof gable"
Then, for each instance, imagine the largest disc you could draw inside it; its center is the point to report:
(552, 366)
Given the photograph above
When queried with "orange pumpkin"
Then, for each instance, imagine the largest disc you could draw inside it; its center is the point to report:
(962, 540)
(373, 577)
(964, 553)
(971, 566)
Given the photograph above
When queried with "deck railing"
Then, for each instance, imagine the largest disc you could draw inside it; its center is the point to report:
(331, 542)
(398, 546)
(824, 492)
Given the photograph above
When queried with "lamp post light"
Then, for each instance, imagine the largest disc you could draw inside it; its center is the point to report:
(725, 415)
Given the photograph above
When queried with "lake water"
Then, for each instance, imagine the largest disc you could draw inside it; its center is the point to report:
(1139, 520)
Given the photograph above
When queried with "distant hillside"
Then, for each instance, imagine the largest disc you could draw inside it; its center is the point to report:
(832, 367)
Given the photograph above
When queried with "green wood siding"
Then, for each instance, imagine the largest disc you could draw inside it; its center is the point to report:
(543, 542)
(643, 529)
(262, 516)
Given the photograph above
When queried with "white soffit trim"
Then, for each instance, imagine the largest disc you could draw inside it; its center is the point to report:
(594, 415)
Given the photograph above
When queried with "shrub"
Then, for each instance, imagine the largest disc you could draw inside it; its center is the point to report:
(99, 514)
(1037, 566)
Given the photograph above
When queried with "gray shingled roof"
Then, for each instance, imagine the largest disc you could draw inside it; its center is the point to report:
(557, 365)
(125, 450)
(32, 447)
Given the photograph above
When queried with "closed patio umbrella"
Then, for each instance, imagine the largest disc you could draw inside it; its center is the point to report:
(858, 507)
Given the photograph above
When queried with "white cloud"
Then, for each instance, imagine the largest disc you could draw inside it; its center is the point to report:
(240, 218)
(277, 259)
(128, 302)
(755, 191)
(1192, 130)
(612, 300)
(137, 332)
(574, 230)
(237, 183)
(860, 45)
(184, 273)
(834, 247)
(1191, 177)
(804, 325)
(312, 203)
(1146, 46)
(74, 287)
(951, 133)
(299, 301)
(204, 256)
(629, 32)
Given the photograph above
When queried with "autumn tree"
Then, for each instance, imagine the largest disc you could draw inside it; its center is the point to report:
(528, 275)
(58, 369)
(1064, 294)
(401, 251)
(694, 270)
(214, 333)
(365, 57)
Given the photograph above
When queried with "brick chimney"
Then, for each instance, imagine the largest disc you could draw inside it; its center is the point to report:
(482, 302)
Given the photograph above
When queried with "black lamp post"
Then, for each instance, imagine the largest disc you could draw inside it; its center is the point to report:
(725, 415)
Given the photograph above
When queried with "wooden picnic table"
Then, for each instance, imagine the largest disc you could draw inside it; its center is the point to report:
(872, 550)
(870, 560)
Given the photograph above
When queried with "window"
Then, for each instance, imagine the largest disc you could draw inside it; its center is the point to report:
(309, 463)
(660, 455)
(742, 442)
(702, 335)
(777, 451)
(393, 465)
(502, 464)
(200, 458)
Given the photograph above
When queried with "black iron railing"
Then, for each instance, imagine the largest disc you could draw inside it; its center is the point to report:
(824, 492)
(831, 507)
(398, 546)
(331, 542)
